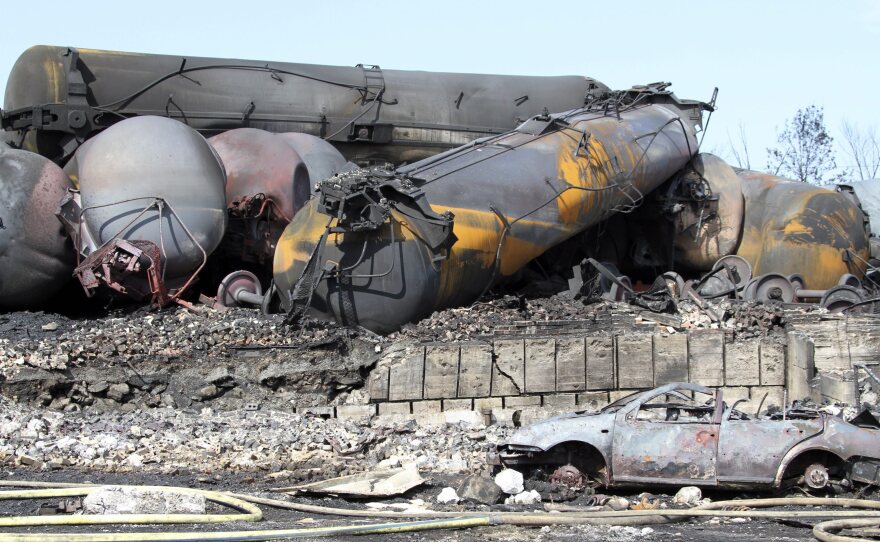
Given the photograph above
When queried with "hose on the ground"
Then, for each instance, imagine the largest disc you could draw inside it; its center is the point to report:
(869, 515)
(243, 536)
(822, 530)
(247, 511)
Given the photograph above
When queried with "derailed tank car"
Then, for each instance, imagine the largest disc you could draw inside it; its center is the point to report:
(380, 248)
(58, 97)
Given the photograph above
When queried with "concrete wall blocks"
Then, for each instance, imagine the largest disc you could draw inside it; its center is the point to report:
(540, 365)
(441, 371)
(584, 369)
(560, 401)
(592, 400)
(600, 362)
(772, 362)
(706, 357)
(522, 401)
(377, 384)
(475, 370)
(508, 368)
(571, 364)
(741, 364)
(355, 411)
(394, 409)
(407, 376)
(800, 368)
(427, 407)
(670, 359)
(635, 361)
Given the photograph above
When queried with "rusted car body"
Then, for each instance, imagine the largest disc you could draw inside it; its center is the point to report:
(671, 436)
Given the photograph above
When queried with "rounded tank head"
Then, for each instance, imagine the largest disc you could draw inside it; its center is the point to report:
(144, 166)
(791, 227)
(36, 257)
(321, 158)
(259, 162)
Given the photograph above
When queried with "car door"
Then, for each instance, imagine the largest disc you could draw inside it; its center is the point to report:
(659, 448)
(751, 450)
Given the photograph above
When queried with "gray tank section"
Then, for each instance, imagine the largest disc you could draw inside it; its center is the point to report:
(321, 158)
(36, 257)
(62, 95)
(144, 160)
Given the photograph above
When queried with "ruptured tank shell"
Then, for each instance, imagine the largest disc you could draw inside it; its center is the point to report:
(259, 162)
(36, 257)
(137, 161)
(791, 227)
(321, 158)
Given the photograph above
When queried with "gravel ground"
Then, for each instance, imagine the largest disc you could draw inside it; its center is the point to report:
(712, 529)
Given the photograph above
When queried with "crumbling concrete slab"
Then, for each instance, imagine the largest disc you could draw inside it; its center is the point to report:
(508, 367)
(635, 361)
(540, 365)
(475, 373)
(706, 358)
(441, 371)
(571, 364)
(375, 483)
(670, 358)
(139, 500)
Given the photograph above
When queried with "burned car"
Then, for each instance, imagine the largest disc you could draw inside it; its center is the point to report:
(684, 433)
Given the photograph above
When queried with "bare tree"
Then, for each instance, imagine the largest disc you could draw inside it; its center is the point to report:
(863, 147)
(740, 149)
(805, 150)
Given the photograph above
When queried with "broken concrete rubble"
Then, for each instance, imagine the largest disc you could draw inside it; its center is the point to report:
(510, 481)
(689, 495)
(135, 500)
(448, 495)
(479, 488)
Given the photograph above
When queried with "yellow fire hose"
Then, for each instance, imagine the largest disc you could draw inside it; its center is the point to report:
(868, 515)
(249, 511)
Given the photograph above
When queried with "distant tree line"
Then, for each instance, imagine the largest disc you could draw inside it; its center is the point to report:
(805, 150)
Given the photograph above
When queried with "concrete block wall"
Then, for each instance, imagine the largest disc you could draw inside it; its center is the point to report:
(574, 372)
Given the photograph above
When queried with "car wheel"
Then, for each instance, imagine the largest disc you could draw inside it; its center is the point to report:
(816, 476)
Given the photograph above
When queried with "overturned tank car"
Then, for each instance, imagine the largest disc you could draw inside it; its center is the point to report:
(380, 248)
(58, 97)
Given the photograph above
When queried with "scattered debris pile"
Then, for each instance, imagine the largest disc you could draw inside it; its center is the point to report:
(514, 315)
(177, 357)
(289, 447)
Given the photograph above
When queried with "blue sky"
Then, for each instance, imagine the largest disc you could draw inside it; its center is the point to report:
(768, 58)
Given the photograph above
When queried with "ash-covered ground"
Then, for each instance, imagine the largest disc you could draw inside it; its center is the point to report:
(205, 399)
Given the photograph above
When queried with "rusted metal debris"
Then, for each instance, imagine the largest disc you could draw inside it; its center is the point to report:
(684, 433)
